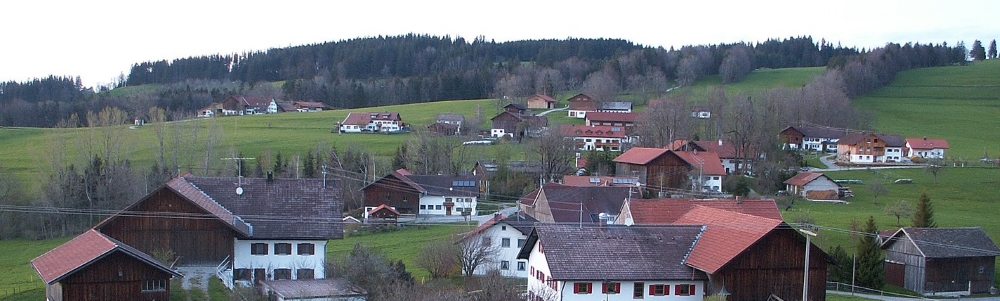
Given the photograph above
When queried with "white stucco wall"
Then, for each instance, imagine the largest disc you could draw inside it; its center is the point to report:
(430, 205)
(244, 260)
(496, 234)
(577, 114)
(628, 290)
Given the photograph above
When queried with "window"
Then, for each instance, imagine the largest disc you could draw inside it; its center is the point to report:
(505, 242)
(520, 242)
(684, 289)
(305, 274)
(637, 290)
(437, 207)
(582, 287)
(241, 274)
(306, 249)
(282, 274)
(659, 290)
(157, 285)
(505, 265)
(282, 249)
(447, 200)
(423, 207)
(259, 274)
(611, 287)
(503, 228)
(258, 249)
(521, 264)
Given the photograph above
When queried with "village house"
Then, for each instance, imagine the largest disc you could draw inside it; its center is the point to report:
(700, 112)
(932, 261)
(447, 125)
(513, 122)
(815, 138)
(615, 107)
(423, 194)
(598, 138)
(926, 148)
(868, 148)
(558, 203)
(568, 262)
(741, 238)
(236, 106)
(813, 186)
(541, 101)
(732, 157)
(580, 105)
(253, 229)
(626, 120)
(507, 234)
(375, 122)
(93, 266)
(571, 180)
(662, 170)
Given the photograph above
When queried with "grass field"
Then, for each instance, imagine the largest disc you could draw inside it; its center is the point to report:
(19, 281)
(399, 245)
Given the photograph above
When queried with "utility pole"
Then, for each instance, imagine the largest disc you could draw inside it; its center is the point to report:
(805, 277)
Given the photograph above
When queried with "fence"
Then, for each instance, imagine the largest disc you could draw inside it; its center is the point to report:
(11, 291)
(845, 287)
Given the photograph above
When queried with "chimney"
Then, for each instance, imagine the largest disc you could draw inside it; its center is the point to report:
(720, 142)
(270, 176)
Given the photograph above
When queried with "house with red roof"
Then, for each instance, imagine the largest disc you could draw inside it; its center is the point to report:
(411, 194)
(816, 138)
(541, 101)
(249, 229)
(813, 185)
(926, 148)
(583, 181)
(662, 170)
(744, 250)
(626, 120)
(612, 262)
(597, 138)
(558, 203)
(93, 266)
(375, 122)
(868, 148)
(734, 158)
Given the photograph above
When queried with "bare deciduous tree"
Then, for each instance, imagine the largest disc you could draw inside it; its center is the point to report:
(877, 188)
(476, 251)
(663, 121)
(899, 209)
(737, 64)
(440, 258)
(602, 85)
(555, 153)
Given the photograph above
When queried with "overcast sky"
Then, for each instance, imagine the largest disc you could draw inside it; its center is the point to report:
(100, 39)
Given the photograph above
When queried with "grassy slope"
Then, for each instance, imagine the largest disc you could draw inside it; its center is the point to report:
(17, 275)
(399, 245)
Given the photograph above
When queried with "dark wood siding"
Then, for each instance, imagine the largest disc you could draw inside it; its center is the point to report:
(117, 276)
(774, 265)
(506, 121)
(195, 241)
(394, 193)
(958, 274)
(792, 136)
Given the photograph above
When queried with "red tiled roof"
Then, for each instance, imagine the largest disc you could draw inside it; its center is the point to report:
(726, 236)
(724, 148)
(668, 211)
(924, 143)
(81, 251)
(640, 155)
(383, 207)
(570, 180)
(676, 144)
(612, 116)
(600, 131)
(529, 199)
(803, 178)
(364, 118)
(708, 161)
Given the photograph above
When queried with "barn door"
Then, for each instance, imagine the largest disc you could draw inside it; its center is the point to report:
(894, 273)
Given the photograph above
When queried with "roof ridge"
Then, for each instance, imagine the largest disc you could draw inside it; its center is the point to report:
(213, 200)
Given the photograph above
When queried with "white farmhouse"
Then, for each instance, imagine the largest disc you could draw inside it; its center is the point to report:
(508, 234)
(926, 148)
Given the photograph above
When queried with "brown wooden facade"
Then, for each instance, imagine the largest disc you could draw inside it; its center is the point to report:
(773, 265)
(906, 267)
(507, 121)
(117, 276)
(868, 144)
(667, 171)
(791, 136)
(193, 241)
(393, 192)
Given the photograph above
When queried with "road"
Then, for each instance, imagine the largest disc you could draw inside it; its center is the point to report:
(889, 298)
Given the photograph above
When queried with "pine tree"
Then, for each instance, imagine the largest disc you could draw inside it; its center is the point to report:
(399, 160)
(992, 53)
(978, 52)
(869, 272)
(309, 165)
(842, 271)
(924, 217)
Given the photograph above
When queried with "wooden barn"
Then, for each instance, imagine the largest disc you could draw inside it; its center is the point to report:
(394, 190)
(659, 169)
(939, 260)
(93, 266)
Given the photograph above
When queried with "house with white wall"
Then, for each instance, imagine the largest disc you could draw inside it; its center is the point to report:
(381, 122)
(569, 262)
(926, 148)
(808, 184)
(424, 194)
(508, 234)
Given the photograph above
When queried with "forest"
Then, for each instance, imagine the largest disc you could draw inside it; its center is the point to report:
(376, 71)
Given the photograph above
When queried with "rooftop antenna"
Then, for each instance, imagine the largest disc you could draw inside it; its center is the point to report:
(239, 172)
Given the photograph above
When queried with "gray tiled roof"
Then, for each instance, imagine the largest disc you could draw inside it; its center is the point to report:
(282, 208)
(441, 185)
(617, 252)
(952, 242)
(565, 201)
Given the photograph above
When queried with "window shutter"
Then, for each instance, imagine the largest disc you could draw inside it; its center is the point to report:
(691, 291)
(590, 287)
(618, 287)
(677, 289)
(651, 290)
(604, 287)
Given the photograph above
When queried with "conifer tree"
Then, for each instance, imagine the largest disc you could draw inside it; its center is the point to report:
(842, 271)
(992, 52)
(870, 273)
(924, 216)
(309, 165)
(978, 52)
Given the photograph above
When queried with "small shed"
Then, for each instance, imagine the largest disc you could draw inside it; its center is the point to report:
(813, 184)
(93, 266)
(941, 260)
(382, 215)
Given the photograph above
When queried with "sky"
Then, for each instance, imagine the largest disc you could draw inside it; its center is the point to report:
(100, 39)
